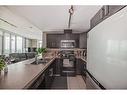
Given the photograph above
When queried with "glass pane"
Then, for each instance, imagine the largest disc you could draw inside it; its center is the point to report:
(28, 44)
(0, 45)
(6, 43)
(39, 44)
(24, 45)
(12, 43)
(19, 44)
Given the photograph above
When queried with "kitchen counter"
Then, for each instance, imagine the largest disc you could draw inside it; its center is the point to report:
(82, 58)
(22, 74)
(58, 49)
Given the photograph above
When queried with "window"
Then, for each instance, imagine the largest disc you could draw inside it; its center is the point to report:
(13, 43)
(19, 45)
(6, 43)
(24, 44)
(39, 44)
(28, 44)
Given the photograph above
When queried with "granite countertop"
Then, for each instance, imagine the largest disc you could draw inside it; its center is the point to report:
(57, 49)
(22, 74)
(80, 57)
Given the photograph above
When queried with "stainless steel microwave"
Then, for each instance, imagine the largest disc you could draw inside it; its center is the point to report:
(68, 44)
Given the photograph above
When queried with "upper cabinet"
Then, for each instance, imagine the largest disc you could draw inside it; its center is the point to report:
(53, 40)
(114, 9)
(97, 18)
(105, 12)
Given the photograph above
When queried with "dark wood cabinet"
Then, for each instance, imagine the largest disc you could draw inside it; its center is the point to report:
(57, 66)
(109, 10)
(105, 12)
(80, 67)
(114, 8)
(36, 84)
(75, 37)
(83, 40)
(49, 76)
(97, 18)
(53, 40)
(44, 81)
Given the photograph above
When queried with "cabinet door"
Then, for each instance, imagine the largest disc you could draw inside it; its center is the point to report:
(49, 76)
(79, 67)
(53, 40)
(109, 10)
(97, 18)
(105, 12)
(114, 8)
(58, 65)
(37, 83)
(47, 84)
(55, 66)
(83, 65)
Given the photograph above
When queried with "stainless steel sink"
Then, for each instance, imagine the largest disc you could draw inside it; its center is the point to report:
(41, 61)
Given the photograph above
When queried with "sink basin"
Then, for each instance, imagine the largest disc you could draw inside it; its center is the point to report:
(41, 61)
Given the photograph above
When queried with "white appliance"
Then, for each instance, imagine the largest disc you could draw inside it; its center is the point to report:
(107, 51)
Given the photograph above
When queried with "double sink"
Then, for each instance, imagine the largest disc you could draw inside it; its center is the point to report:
(41, 61)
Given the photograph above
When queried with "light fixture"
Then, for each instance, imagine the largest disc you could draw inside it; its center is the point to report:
(71, 10)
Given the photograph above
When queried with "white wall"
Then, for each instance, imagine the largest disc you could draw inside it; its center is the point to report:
(44, 40)
(22, 25)
(1, 33)
(107, 51)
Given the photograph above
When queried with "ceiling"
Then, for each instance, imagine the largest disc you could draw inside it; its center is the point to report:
(55, 18)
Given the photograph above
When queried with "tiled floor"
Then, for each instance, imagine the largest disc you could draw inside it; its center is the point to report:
(59, 83)
(67, 82)
(76, 82)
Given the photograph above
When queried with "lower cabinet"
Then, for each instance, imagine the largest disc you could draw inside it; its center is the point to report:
(44, 81)
(80, 67)
(57, 66)
(36, 84)
(84, 73)
(49, 76)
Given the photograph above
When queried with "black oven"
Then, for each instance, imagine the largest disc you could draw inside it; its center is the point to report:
(68, 63)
